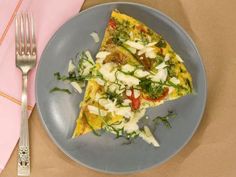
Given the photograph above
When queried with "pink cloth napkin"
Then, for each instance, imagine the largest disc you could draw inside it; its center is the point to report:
(49, 15)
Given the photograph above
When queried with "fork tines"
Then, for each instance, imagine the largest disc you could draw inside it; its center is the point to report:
(25, 34)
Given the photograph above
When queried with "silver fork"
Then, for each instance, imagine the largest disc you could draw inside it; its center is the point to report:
(25, 61)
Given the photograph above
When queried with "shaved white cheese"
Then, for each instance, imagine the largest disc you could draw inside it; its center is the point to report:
(76, 86)
(149, 38)
(71, 67)
(139, 114)
(145, 50)
(162, 65)
(127, 68)
(108, 71)
(179, 58)
(104, 102)
(128, 92)
(132, 50)
(170, 90)
(142, 51)
(95, 110)
(127, 79)
(135, 45)
(95, 37)
(115, 88)
(100, 81)
(132, 124)
(148, 137)
(136, 93)
(97, 96)
(167, 57)
(121, 85)
(88, 54)
(151, 54)
(175, 81)
(137, 40)
(131, 34)
(87, 68)
(124, 111)
(151, 44)
(100, 60)
(126, 102)
(109, 105)
(102, 56)
(140, 73)
(161, 75)
(149, 49)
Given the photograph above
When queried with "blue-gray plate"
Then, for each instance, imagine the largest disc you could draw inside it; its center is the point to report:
(58, 111)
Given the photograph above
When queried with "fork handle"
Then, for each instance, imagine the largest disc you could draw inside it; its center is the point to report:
(24, 150)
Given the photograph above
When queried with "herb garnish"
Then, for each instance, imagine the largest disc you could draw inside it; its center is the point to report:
(114, 96)
(71, 77)
(164, 119)
(80, 75)
(57, 89)
(178, 87)
(159, 59)
(92, 128)
(161, 43)
(120, 132)
(154, 90)
(189, 84)
(120, 34)
(144, 38)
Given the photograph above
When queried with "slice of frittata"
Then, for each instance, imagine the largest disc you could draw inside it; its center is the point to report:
(135, 69)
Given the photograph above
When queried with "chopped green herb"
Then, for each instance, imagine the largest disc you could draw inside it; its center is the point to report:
(71, 77)
(87, 99)
(161, 43)
(169, 83)
(87, 121)
(114, 96)
(171, 70)
(119, 132)
(154, 90)
(58, 76)
(159, 59)
(83, 65)
(120, 37)
(78, 76)
(164, 119)
(83, 56)
(144, 38)
(57, 89)
(120, 34)
(189, 84)
(178, 87)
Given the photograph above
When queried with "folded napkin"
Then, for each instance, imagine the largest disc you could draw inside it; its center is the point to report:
(48, 16)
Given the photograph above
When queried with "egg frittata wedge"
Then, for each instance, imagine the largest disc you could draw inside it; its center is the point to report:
(135, 69)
